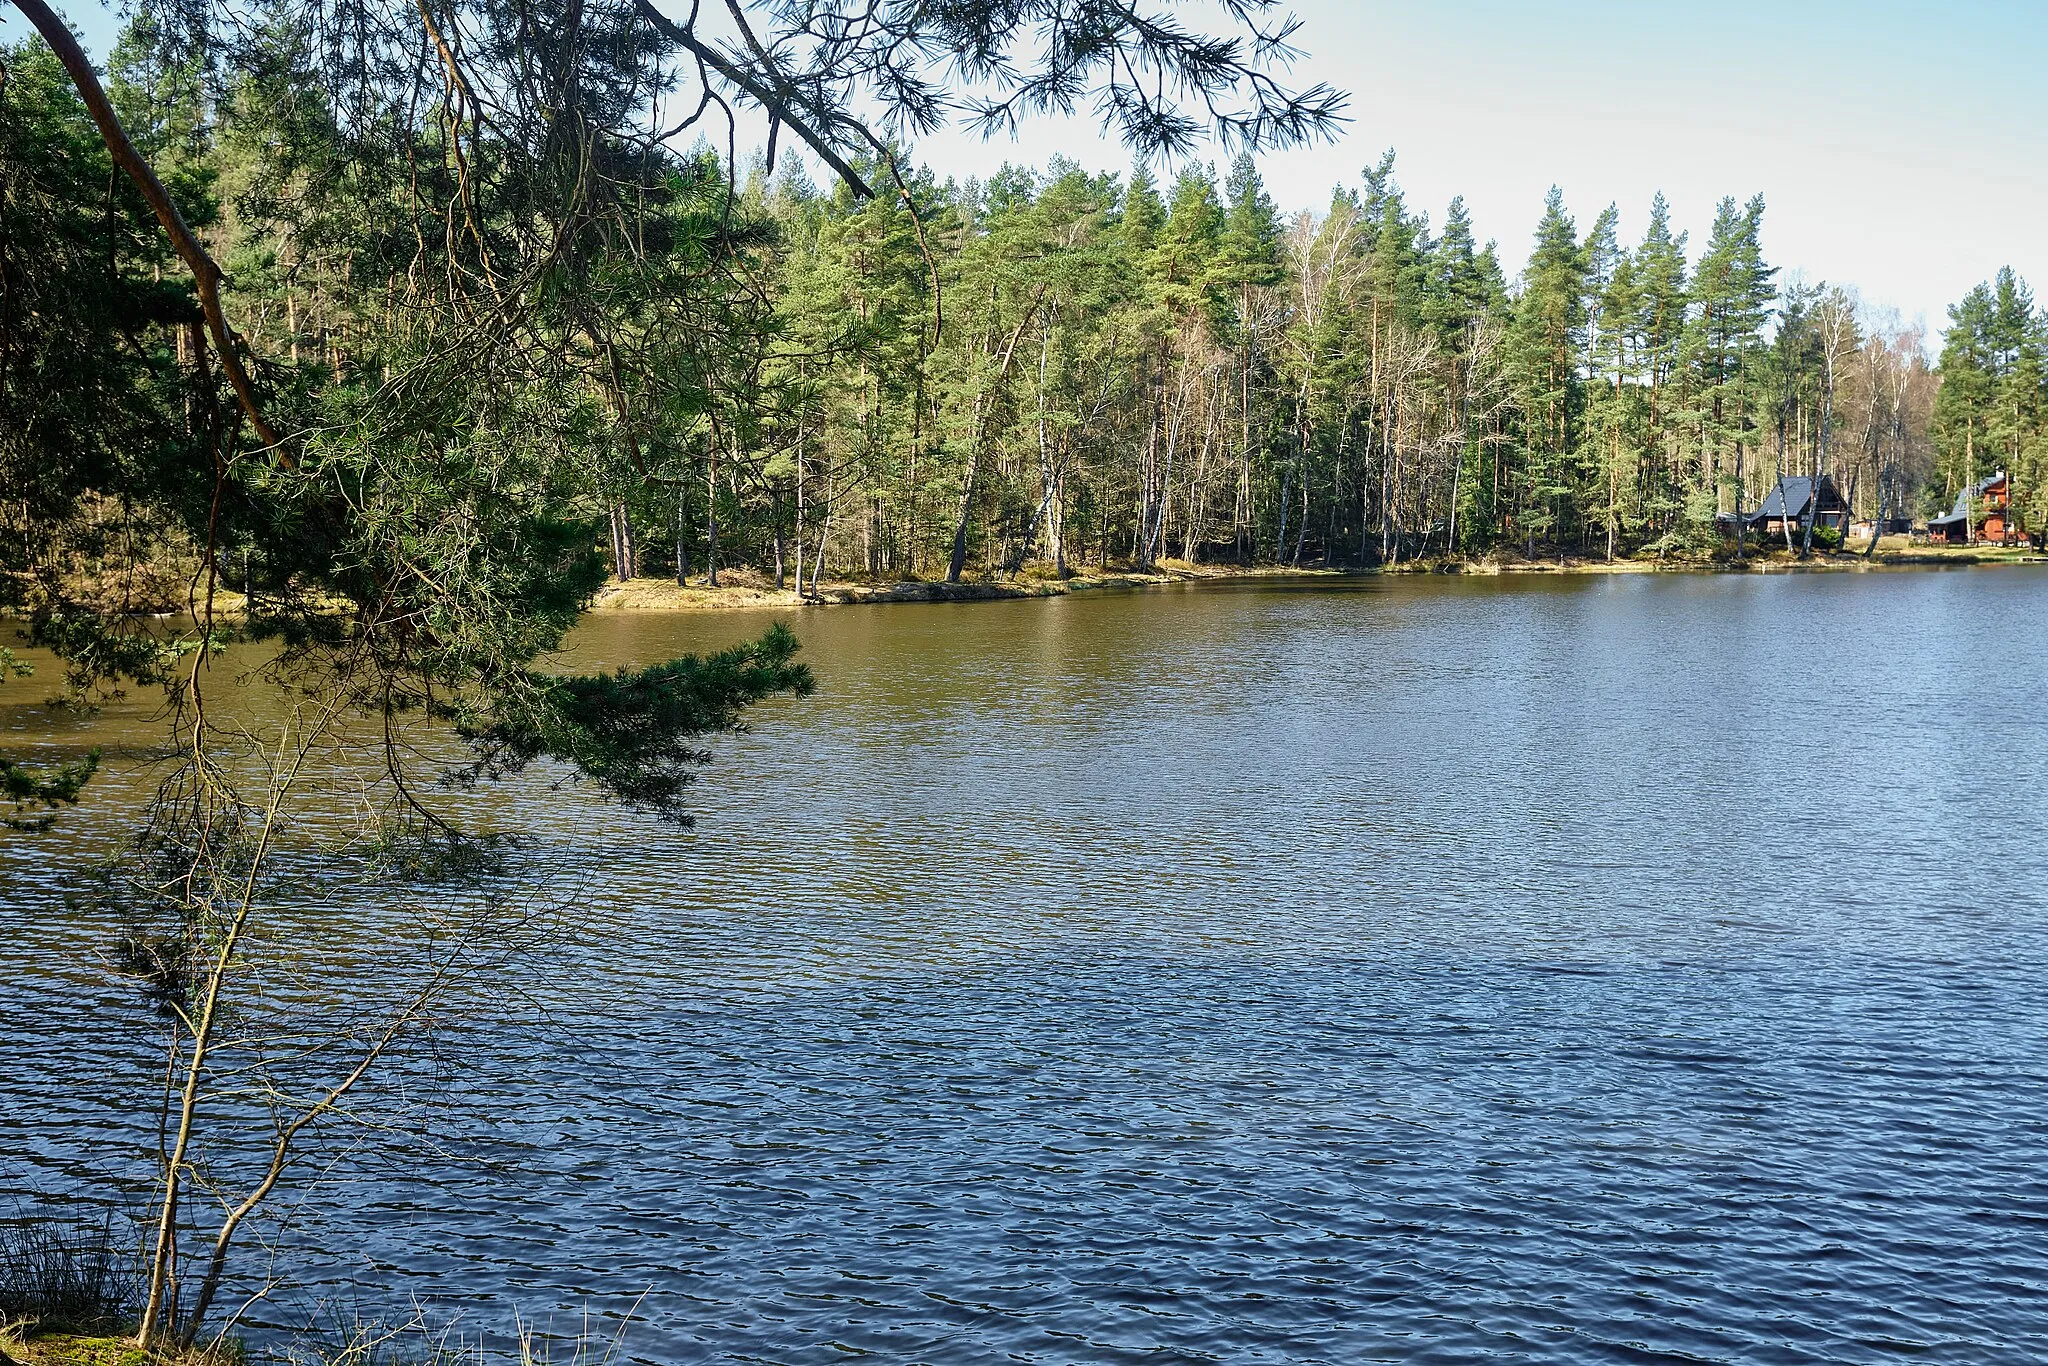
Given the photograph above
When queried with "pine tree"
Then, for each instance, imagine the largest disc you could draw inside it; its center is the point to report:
(2018, 361)
(1462, 284)
(1991, 413)
(1965, 408)
(1612, 308)
(102, 395)
(1182, 262)
(1731, 303)
(1548, 342)
(1461, 293)
(1143, 213)
(1247, 264)
(1661, 292)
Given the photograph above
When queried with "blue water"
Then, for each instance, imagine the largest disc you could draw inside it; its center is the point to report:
(1636, 969)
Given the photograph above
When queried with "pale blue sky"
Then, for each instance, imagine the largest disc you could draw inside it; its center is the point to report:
(1899, 146)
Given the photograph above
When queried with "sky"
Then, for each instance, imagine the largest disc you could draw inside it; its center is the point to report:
(1898, 146)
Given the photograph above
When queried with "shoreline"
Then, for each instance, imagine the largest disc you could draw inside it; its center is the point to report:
(749, 590)
(746, 590)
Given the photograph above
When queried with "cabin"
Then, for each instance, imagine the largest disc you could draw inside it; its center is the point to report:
(1883, 526)
(1791, 500)
(1986, 508)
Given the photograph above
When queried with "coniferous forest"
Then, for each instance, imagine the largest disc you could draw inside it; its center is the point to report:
(709, 364)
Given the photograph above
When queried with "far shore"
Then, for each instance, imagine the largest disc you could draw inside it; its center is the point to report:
(745, 589)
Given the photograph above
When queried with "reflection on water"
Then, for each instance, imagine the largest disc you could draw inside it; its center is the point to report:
(1404, 970)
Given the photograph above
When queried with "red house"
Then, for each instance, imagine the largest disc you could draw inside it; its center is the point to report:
(1986, 506)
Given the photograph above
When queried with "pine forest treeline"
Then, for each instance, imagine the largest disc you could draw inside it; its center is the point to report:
(1062, 368)
(1043, 369)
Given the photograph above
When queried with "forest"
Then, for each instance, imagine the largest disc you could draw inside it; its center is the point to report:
(373, 337)
(1049, 368)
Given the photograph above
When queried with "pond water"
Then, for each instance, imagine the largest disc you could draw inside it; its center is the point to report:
(1595, 969)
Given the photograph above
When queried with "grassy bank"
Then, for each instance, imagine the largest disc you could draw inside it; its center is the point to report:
(70, 1349)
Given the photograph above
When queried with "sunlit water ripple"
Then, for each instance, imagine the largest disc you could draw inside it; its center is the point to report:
(1647, 969)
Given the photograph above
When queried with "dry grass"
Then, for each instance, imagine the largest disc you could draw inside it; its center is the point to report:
(416, 1342)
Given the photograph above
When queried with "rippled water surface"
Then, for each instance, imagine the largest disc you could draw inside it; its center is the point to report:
(1633, 969)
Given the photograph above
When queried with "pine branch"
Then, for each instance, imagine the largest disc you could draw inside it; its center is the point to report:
(206, 275)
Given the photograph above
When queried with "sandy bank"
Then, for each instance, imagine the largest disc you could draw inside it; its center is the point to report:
(741, 589)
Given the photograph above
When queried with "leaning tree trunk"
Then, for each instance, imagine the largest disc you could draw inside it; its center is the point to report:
(983, 407)
(956, 564)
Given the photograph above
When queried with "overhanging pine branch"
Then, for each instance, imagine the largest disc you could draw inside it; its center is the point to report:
(205, 274)
(770, 100)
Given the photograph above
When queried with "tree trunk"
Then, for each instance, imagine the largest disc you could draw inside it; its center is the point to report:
(682, 533)
(824, 526)
(622, 542)
(957, 563)
(775, 512)
(796, 537)
(711, 514)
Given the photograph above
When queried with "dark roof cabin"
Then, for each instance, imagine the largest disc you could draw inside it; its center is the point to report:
(1791, 500)
(1985, 504)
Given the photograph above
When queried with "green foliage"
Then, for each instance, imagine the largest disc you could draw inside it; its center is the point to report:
(101, 653)
(28, 787)
(474, 393)
(630, 731)
(91, 394)
(1190, 375)
(1547, 340)
(1992, 412)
